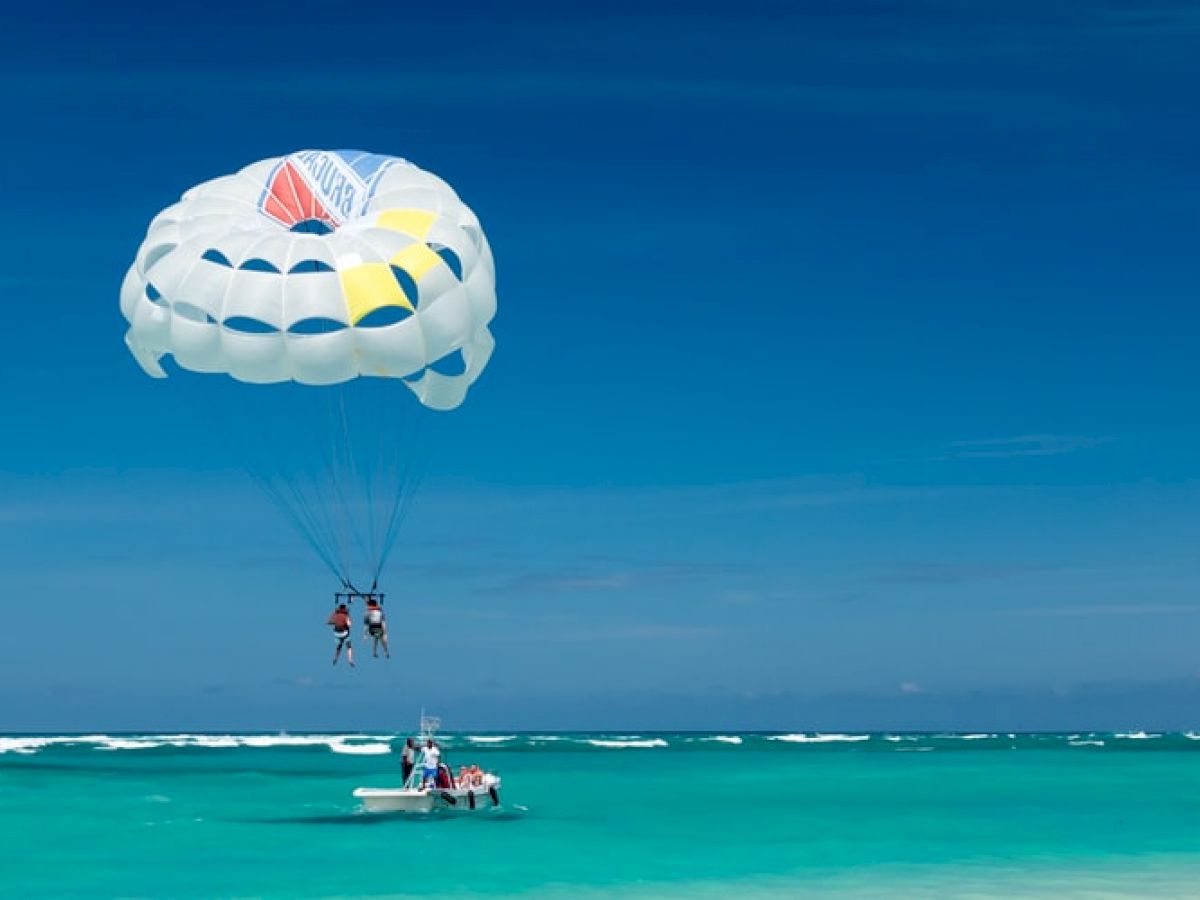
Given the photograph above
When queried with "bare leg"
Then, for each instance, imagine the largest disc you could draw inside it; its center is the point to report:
(386, 651)
(350, 656)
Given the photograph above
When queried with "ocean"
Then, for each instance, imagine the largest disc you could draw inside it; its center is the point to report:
(597, 815)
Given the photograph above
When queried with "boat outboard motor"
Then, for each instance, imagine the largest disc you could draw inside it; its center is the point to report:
(471, 799)
(494, 794)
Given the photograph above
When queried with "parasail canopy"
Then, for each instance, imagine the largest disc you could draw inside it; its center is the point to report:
(317, 267)
(345, 271)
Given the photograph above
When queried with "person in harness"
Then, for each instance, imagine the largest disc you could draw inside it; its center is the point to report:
(375, 627)
(339, 620)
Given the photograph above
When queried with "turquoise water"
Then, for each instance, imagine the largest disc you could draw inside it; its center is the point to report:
(592, 815)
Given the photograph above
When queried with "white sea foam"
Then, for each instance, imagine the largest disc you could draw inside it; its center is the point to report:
(966, 736)
(295, 740)
(360, 749)
(213, 742)
(820, 738)
(27, 745)
(24, 745)
(1137, 736)
(30, 745)
(128, 744)
(723, 739)
(255, 741)
(1083, 743)
(619, 744)
(490, 738)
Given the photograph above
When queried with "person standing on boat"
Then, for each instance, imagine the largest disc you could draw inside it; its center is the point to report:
(339, 620)
(408, 759)
(430, 757)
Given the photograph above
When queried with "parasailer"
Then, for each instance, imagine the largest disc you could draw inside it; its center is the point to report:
(375, 627)
(349, 274)
(339, 621)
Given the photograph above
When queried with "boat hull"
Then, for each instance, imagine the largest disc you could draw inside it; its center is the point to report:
(422, 800)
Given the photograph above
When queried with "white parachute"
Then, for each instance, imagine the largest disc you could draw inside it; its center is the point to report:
(341, 271)
(317, 267)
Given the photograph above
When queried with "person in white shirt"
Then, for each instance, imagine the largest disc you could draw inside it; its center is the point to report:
(430, 757)
(375, 627)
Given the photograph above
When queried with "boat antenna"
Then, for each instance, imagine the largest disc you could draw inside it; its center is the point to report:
(429, 725)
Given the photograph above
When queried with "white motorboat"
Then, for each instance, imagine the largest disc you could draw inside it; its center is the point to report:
(475, 790)
(417, 799)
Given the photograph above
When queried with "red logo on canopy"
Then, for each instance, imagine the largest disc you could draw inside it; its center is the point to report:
(289, 200)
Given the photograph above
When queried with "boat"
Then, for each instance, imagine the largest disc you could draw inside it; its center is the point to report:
(426, 799)
(478, 791)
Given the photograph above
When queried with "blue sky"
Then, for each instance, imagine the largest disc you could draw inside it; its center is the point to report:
(845, 370)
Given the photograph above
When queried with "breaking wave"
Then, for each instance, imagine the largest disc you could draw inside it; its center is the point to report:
(18, 747)
(335, 742)
(820, 738)
(361, 749)
(122, 744)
